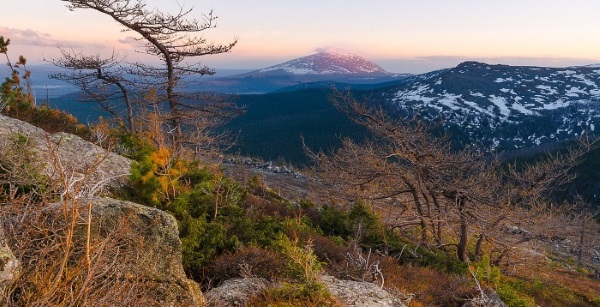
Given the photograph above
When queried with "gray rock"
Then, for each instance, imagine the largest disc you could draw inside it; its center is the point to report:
(235, 292)
(354, 293)
(267, 165)
(76, 155)
(152, 241)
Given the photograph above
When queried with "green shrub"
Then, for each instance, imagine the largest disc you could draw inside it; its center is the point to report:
(334, 222)
(486, 272)
(512, 297)
(201, 241)
(303, 263)
(367, 226)
(260, 231)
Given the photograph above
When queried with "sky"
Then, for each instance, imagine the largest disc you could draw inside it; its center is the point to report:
(403, 36)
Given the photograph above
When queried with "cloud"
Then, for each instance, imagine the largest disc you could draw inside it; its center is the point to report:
(333, 50)
(28, 37)
(129, 40)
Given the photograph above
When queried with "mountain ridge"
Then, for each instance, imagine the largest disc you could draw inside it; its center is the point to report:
(318, 67)
(534, 105)
(328, 63)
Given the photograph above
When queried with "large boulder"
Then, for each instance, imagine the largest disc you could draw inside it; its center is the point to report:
(75, 155)
(138, 244)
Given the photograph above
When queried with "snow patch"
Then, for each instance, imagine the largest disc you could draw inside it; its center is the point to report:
(556, 105)
(574, 91)
(549, 90)
(501, 103)
(501, 80)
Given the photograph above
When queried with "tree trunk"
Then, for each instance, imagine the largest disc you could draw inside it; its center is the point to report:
(419, 207)
(581, 242)
(479, 246)
(464, 234)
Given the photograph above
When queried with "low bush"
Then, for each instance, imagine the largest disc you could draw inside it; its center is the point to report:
(247, 261)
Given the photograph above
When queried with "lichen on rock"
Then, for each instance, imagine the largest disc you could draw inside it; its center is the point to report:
(62, 150)
(151, 242)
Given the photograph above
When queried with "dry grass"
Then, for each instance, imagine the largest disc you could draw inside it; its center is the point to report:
(66, 257)
(554, 286)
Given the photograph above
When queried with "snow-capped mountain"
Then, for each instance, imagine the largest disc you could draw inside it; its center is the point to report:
(502, 106)
(317, 68)
(328, 63)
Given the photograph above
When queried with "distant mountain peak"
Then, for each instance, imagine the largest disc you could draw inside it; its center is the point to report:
(329, 63)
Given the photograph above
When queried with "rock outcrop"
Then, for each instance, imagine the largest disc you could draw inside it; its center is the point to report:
(491, 299)
(237, 292)
(149, 253)
(76, 155)
(355, 293)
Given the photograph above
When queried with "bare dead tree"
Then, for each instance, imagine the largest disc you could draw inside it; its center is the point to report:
(172, 38)
(444, 190)
(102, 80)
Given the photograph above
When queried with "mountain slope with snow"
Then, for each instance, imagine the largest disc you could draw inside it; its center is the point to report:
(320, 67)
(502, 106)
(328, 63)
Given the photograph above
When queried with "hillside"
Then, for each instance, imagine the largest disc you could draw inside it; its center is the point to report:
(274, 124)
(244, 241)
(504, 107)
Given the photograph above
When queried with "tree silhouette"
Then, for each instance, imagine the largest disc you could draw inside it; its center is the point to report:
(102, 80)
(172, 38)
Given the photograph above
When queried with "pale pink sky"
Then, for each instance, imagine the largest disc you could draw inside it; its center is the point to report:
(402, 36)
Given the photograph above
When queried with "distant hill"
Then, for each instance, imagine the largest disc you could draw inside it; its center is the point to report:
(327, 63)
(319, 67)
(504, 107)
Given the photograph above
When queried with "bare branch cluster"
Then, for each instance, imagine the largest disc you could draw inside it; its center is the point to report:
(102, 80)
(172, 38)
(464, 194)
